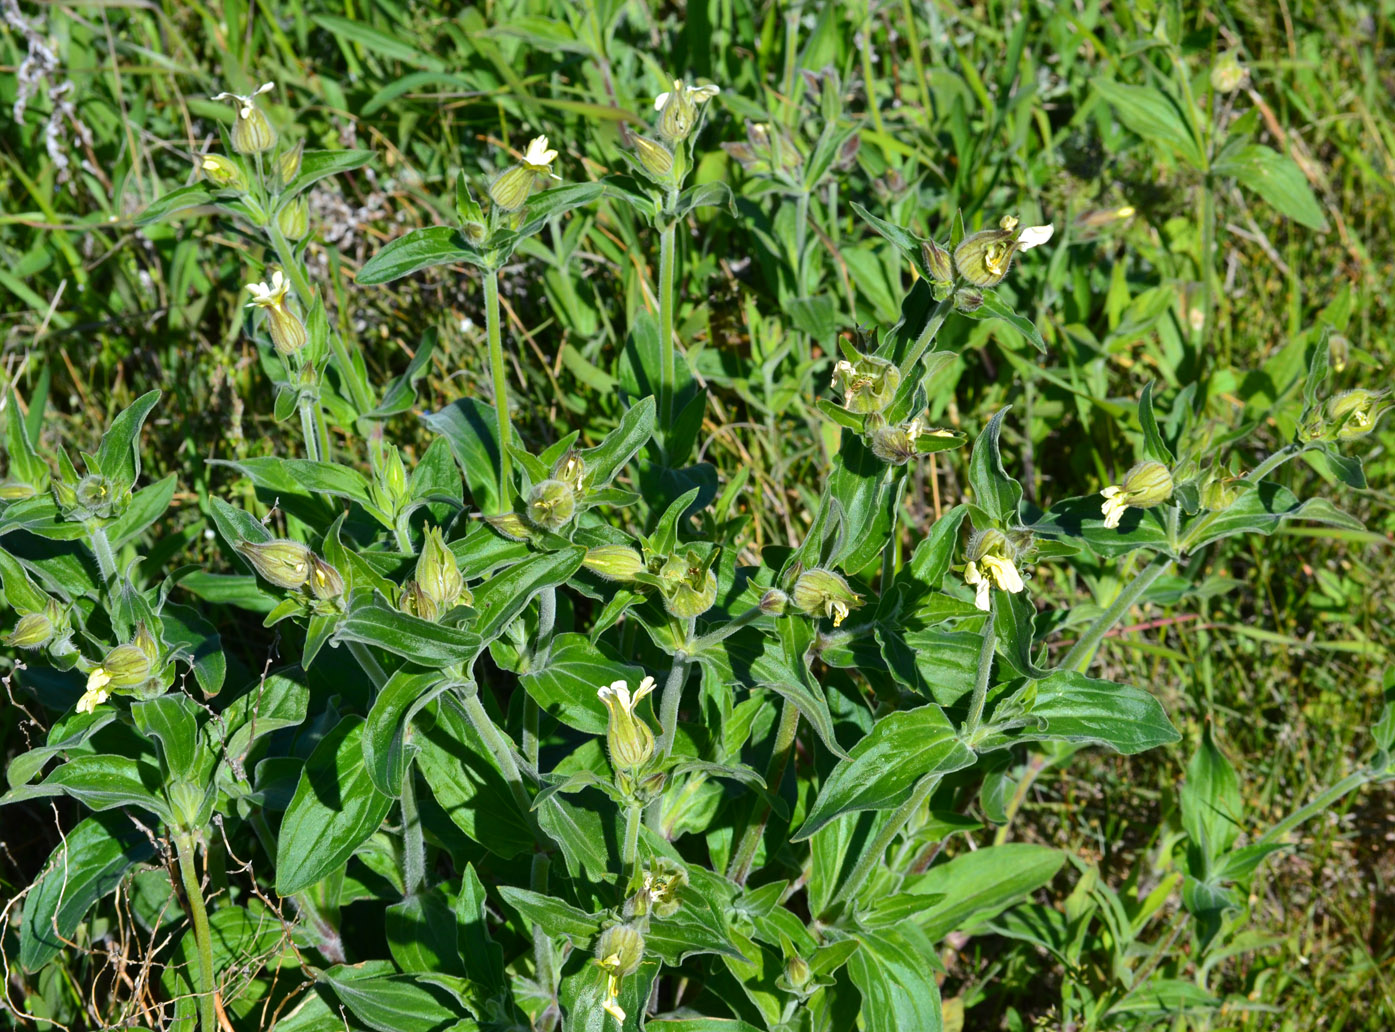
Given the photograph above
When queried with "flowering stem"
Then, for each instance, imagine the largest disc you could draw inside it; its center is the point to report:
(669, 703)
(198, 914)
(629, 859)
(369, 663)
(1083, 651)
(309, 428)
(985, 668)
(668, 366)
(745, 852)
(726, 630)
(101, 548)
(499, 376)
(1274, 461)
(932, 326)
(893, 827)
(413, 842)
(501, 750)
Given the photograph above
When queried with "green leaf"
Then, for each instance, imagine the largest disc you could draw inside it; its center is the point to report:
(505, 595)
(565, 687)
(1154, 447)
(319, 164)
(197, 643)
(346, 30)
(386, 751)
(88, 865)
(101, 783)
(995, 492)
(994, 307)
(171, 721)
(400, 1003)
(633, 432)
(977, 885)
(335, 808)
(421, 933)
(376, 623)
(180, 199)
(418, 249)
(118, 457)
(1076, 708)
(147, 505)
(1155, 116)
(897, 985)
(556, 917)
(470, 428)
(1277, 179)
(1213, 812)
(882, 769)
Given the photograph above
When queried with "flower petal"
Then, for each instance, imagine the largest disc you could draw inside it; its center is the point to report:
(1034, 235)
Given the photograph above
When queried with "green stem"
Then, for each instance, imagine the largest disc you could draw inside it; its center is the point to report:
(938, 315)
(499, 375)
(727, 629)
(893, 827)
(1274, 461)
(1083, 651)
(745, 853)
(668, 365)
(1320, 802)
(501, 749)
(184, 845)
(985, 668)
(629, 859)
(365, 659)
(413, 842)
(292, 269)
(101, 548)
(309, 428)
(669, 702)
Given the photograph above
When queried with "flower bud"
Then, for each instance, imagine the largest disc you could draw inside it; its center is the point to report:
(774, 602)
(438, 573)
(677, 113)
(512, 187)
(284, 563)
(689, 587)
(223, 172)
(968, 301)
(14, 491)
(797, 972)
(288, 334)
(614, 562)
(1220, 493)
(628, 738)
(867, 385)
(571, 470)
(1338, 352)
(288, 164)
(145, 641)
(96, 494)
(819, 593)
(620, 949)
(394, 475)
(984, 258)
(895, 444)
(325, 582)
(294, 219)
(1148, 484)
(551, 504)
(251, 132)
(33, 631)
(655, 158)
(1227, 74)
(126, 666)
(65, 494)
(1356, 412)
(415, 602)
(511, 525)
(937, 262)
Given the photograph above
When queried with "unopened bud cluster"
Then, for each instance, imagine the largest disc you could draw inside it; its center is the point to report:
(290, 565)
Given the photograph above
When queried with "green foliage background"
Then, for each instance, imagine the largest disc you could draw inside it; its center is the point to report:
(1277, 654)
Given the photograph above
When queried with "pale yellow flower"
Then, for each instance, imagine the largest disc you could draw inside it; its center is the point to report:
(538, 158)
(245, 105)
(96, 693)
(270, 295)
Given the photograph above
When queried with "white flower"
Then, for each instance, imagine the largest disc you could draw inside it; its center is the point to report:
(270, 295)
(539, 158)
(1032, 236)
(96, 693)
(244, 109)
(611, 1005)
(1115, 502)
(620, 692)
(695, 94)
(997, 570)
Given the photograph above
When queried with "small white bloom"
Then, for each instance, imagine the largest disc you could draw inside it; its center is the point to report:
(539, 158)
(1115, 502)
(620, 692)
(695, 94)
(96, 693)
(1032, 236)
(1004, 573)
(979, 583)
(270, 295)
(244, 109)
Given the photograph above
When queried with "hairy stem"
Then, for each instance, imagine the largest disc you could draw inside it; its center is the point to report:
(413, 842)
(1083, 651)
(198, 914)
(363, 655)
(309, 428)
(671, 699)
(668, 365)
(101, 548)
(985, 668)
(629, 858)
(501, 749)
(499, 375)
(893, 827)
(745, 853)
(727, 629)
